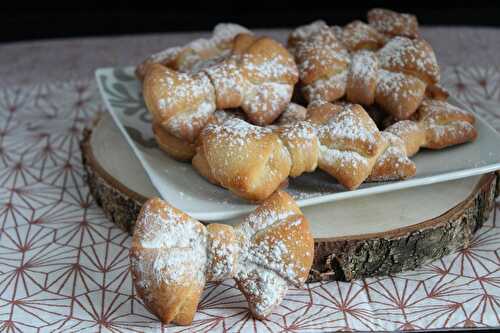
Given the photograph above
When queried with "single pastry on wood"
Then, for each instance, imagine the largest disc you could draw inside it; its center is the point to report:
(173, 256)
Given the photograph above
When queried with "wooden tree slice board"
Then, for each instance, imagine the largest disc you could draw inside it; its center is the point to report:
(362, 237)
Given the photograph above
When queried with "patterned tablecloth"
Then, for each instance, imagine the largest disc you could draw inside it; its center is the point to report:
(64, 267)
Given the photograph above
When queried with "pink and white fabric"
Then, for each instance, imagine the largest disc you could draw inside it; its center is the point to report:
(64, 267)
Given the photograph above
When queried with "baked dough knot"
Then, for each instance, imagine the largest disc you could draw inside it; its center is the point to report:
(253, 161)
(350, 142)
(173, 256)
(259, 77)
(366, 65)
(437, 124)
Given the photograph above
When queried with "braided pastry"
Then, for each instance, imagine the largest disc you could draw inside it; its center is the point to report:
(334, 62)
(173, 256)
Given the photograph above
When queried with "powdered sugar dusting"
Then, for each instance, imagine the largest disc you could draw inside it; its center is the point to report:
(298, 131)
(329, 89)
(293, 113)
(222, 257)
(190, 123)
(364, 66)
(357, 34)
(342, 158)
(237, 130)
(319, 53)
(180, 248)
(390, 22)
(227, 79)
(222, 33)
(390, 164)
(304, 32)
(399, 87)
(263, 288)
(268, 69)
(266, 100)
(442, 109)
(177, 250)
(405, 53)
(345, 128)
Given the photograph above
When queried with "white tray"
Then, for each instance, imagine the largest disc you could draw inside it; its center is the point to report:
(179, 183)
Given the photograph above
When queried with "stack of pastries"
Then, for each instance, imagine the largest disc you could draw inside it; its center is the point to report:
(356, 102)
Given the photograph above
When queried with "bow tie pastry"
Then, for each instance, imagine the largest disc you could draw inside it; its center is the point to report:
(173, 256)
(383, 62)
(258, 77)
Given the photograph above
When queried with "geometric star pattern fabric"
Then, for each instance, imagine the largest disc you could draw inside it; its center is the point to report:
(65, 267)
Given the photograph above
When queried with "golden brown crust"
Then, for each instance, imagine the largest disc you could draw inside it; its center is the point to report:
(293, 113)
(381, 63)
(179, 149)
(395, 77)
(392, 23)
(411, 56)
(348, 152)
(270, 73)
(362, 78)
(173, 256)
(411, 133)
(445, 124)
(197, 54)
(181, 103)
(259, 77)
(172, 295)
(398, 94)
(436, 125)
(394, 162)
(358, 35)
(302, 144)
(304, 32)
(323, 63)
(201, 165)
(435, 91)
(250, 161)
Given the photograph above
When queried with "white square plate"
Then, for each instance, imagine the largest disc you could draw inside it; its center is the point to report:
(179, 183)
